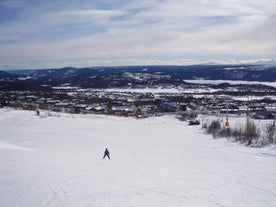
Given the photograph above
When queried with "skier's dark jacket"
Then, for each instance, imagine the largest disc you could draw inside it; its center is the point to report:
(106, 152)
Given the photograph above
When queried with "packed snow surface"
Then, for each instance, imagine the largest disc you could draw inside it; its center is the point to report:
(160, 161)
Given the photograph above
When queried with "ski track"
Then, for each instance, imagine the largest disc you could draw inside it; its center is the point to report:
(157, 161)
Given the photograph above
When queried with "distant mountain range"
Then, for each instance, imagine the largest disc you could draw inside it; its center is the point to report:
(134, 76)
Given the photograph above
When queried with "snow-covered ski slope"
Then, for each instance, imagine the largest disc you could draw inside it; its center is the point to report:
(155, 162)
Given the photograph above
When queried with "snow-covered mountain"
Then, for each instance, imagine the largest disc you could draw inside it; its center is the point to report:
(141, 76)
(5, 76)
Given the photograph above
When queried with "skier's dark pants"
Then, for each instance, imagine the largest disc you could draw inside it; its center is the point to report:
(106, 155)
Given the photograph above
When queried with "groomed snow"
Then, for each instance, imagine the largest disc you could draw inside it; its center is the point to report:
(57, 162)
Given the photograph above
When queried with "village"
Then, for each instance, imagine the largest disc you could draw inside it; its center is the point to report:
(139, 104)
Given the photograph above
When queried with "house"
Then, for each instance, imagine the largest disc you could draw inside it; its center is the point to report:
(229, 111)
(243, 110)
(30, 107)
(168, 106)
(138, 112)
(16, 105)
(97, 109)
(124, 111)
(59, 107)
(181, 107)
(119, 110)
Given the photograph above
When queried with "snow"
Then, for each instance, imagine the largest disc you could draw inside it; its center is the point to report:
(159, 161)
(6, 145)
(232, 82)
(65, 88)
(245, 98)
(157, 90)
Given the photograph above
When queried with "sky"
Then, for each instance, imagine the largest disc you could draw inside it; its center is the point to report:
(82, 33)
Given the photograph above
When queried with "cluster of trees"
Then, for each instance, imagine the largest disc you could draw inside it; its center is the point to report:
(249, 133)
(3, 103)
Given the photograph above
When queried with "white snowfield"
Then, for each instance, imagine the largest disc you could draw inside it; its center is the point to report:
(155, 162)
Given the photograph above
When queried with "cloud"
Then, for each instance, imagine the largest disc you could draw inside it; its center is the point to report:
(85, 16)
(9, 37)
(140, 29)
(11, 3)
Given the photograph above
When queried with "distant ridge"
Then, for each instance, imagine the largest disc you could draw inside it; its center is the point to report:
(139, 76)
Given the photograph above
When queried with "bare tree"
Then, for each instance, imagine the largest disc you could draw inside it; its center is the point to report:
(271, 132)
(214, 128)
(251, 132)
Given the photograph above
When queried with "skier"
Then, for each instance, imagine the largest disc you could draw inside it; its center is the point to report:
(106, 153)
